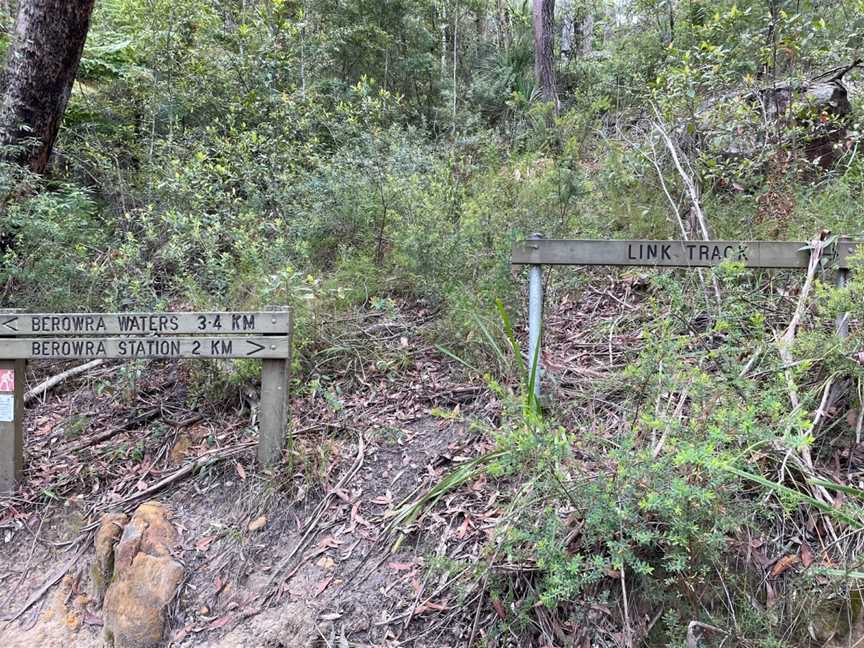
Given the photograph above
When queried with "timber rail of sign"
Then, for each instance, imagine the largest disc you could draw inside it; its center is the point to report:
(537, 252)
(264, 335)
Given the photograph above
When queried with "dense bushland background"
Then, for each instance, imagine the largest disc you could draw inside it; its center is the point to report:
(336, 155)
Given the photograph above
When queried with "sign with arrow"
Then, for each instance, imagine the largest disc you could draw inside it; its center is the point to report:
(146, 347)
(215, 323)
(264, 335)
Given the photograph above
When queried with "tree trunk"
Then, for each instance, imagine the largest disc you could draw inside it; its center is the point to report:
(587, 33)
(43, 58)
(567, 18)
(544, 62)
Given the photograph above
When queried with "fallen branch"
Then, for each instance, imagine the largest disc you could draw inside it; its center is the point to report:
(130, 424)
(691, 189)
(53, 381)
(212, 456)
(693, 639)
(785, 341)
(803, 459)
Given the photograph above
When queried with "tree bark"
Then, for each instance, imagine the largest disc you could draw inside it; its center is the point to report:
(587, 32)
(567, 18)
(42, 61)
(544, 62)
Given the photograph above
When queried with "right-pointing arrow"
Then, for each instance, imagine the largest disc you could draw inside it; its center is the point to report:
(10, 323)
(258, 348)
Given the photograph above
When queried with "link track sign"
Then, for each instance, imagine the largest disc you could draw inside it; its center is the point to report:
(681, 254)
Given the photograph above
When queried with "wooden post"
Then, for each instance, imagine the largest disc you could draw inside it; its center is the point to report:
(273, 419)
(11, 422)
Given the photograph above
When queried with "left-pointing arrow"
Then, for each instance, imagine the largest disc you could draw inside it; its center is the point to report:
(257, 349)
(9, 323)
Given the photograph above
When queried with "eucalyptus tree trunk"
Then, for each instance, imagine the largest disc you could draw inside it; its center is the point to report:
(567, 20)
(586, 31)
(41, 64)
(544, 41)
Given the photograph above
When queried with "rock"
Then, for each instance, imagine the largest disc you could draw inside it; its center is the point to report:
(73, 621)
(258, 523)
(145, 580)
(149, 531)
(110, 528)
(820, 110)
(135, 604)
(836, 621)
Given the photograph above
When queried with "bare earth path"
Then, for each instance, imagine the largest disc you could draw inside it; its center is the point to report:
(303, 556)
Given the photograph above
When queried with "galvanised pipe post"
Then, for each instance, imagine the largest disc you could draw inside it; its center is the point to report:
(840, 281)
(535, 318)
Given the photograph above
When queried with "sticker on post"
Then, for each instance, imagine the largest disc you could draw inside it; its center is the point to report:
(7, 408)
(7, 380)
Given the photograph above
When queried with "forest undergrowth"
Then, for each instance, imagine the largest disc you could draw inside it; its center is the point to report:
(692, 475)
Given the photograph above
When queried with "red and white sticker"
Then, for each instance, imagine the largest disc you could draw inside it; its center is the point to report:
(7, 380)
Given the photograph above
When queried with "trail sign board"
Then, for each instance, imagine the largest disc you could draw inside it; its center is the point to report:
(537, 252)
(686, 254)
(262, 335)
(146, 347)
(242, 323)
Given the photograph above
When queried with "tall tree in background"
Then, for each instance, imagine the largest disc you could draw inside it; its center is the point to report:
(42, 61)
(544, 42)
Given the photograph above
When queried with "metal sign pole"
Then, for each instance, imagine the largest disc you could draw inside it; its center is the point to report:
(535, 319)
(840, 281)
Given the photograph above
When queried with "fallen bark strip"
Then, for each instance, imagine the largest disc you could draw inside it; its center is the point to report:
(53, 381)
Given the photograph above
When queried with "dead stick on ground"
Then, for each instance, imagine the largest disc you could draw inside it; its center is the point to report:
(190, 468)
(130, 424)
(26, 569)
(476, 625)
(823, 404)
(693, 640)
(53, 381)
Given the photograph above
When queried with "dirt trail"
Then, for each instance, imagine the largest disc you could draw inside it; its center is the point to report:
(298, 580)
(321, 570)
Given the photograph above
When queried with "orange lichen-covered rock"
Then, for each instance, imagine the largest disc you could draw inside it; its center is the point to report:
(110, 528)
(146, 579)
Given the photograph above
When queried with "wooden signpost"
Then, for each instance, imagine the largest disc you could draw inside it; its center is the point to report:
(537, 252)
(680, 254)
(262, 335)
